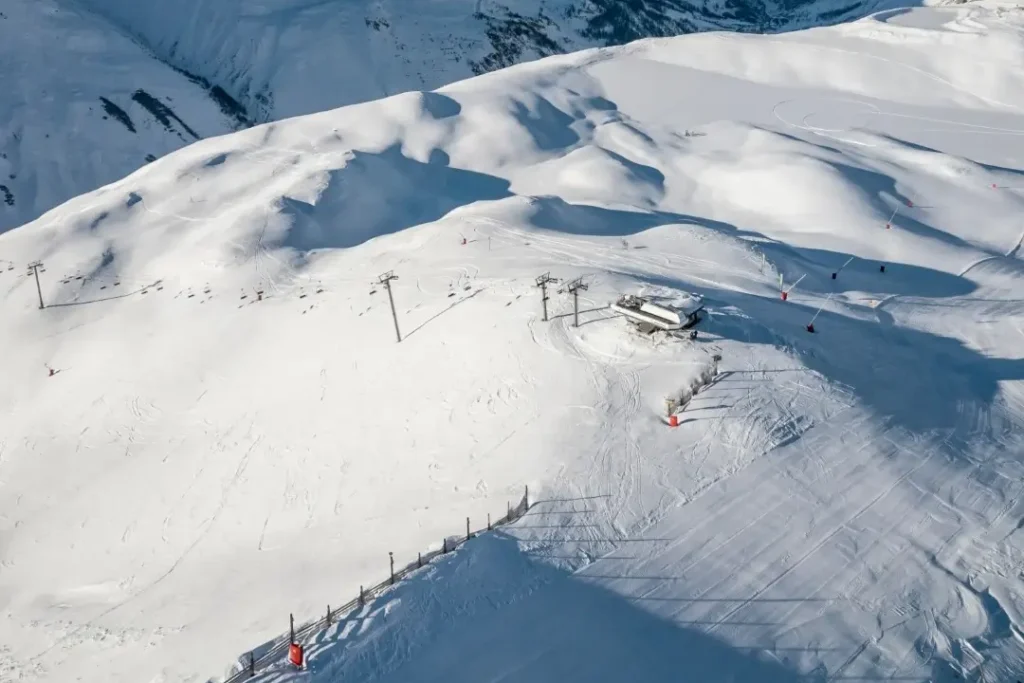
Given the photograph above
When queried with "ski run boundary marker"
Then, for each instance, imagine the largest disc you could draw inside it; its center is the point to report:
(279, 650)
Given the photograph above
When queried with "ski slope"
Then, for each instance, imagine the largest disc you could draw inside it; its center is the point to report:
(232, 434)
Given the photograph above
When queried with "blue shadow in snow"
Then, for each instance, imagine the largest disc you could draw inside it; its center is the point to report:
(491, 613)
(991, 168)
(863, 275)
(382, 193)
(549, 126)
(555, 214)
(917, 380)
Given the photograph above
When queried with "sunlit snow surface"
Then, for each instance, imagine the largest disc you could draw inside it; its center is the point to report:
(232, 434)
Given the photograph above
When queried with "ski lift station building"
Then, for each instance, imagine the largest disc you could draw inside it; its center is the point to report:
(650, 316)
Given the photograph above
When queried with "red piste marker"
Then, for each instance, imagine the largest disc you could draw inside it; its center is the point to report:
(295, 655)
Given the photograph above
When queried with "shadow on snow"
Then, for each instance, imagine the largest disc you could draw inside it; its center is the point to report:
(382, 193)
(920, 381)
(490, 612)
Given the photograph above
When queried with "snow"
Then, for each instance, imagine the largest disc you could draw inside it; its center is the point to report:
(94, 89)
(71, 117)
(233, 434)
(291, 57)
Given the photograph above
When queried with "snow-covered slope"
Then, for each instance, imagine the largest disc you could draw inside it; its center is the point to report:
(81, 105)
(232, 434)
(290, 57)
(93, 89)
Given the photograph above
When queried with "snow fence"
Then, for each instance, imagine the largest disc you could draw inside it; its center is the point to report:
(278, 649)
(680, 399)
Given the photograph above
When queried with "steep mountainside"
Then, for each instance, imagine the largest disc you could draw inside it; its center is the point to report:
(287, 57)
(94, 89)
(81, 105)
(211, 423)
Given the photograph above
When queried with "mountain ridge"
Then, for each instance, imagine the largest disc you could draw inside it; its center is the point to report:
(212, 424)
(235, 47)
(218, 67)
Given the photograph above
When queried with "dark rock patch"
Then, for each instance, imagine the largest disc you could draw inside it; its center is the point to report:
(118, 114)
(161, 112)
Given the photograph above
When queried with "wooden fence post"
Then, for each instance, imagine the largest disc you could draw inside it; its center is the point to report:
(419, 559)
(468, 535)
(362, 599)
(328, 615)
(488, 521)
(391, 556)
(252, 664)
(526, 498)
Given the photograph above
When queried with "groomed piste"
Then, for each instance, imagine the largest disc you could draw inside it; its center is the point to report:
(210, 423)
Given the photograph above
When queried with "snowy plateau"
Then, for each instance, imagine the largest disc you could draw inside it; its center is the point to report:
(211, 426)
(91, 90)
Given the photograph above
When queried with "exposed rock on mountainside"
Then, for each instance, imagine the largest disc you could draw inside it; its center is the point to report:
(94, 90)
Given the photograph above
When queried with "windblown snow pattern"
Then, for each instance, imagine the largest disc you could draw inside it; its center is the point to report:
(210, 425)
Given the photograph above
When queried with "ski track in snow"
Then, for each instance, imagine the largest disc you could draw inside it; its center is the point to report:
(842, 505)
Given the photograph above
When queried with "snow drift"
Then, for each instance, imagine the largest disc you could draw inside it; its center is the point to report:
(232, 434)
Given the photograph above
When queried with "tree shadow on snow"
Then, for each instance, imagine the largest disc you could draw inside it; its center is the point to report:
(490, 612)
